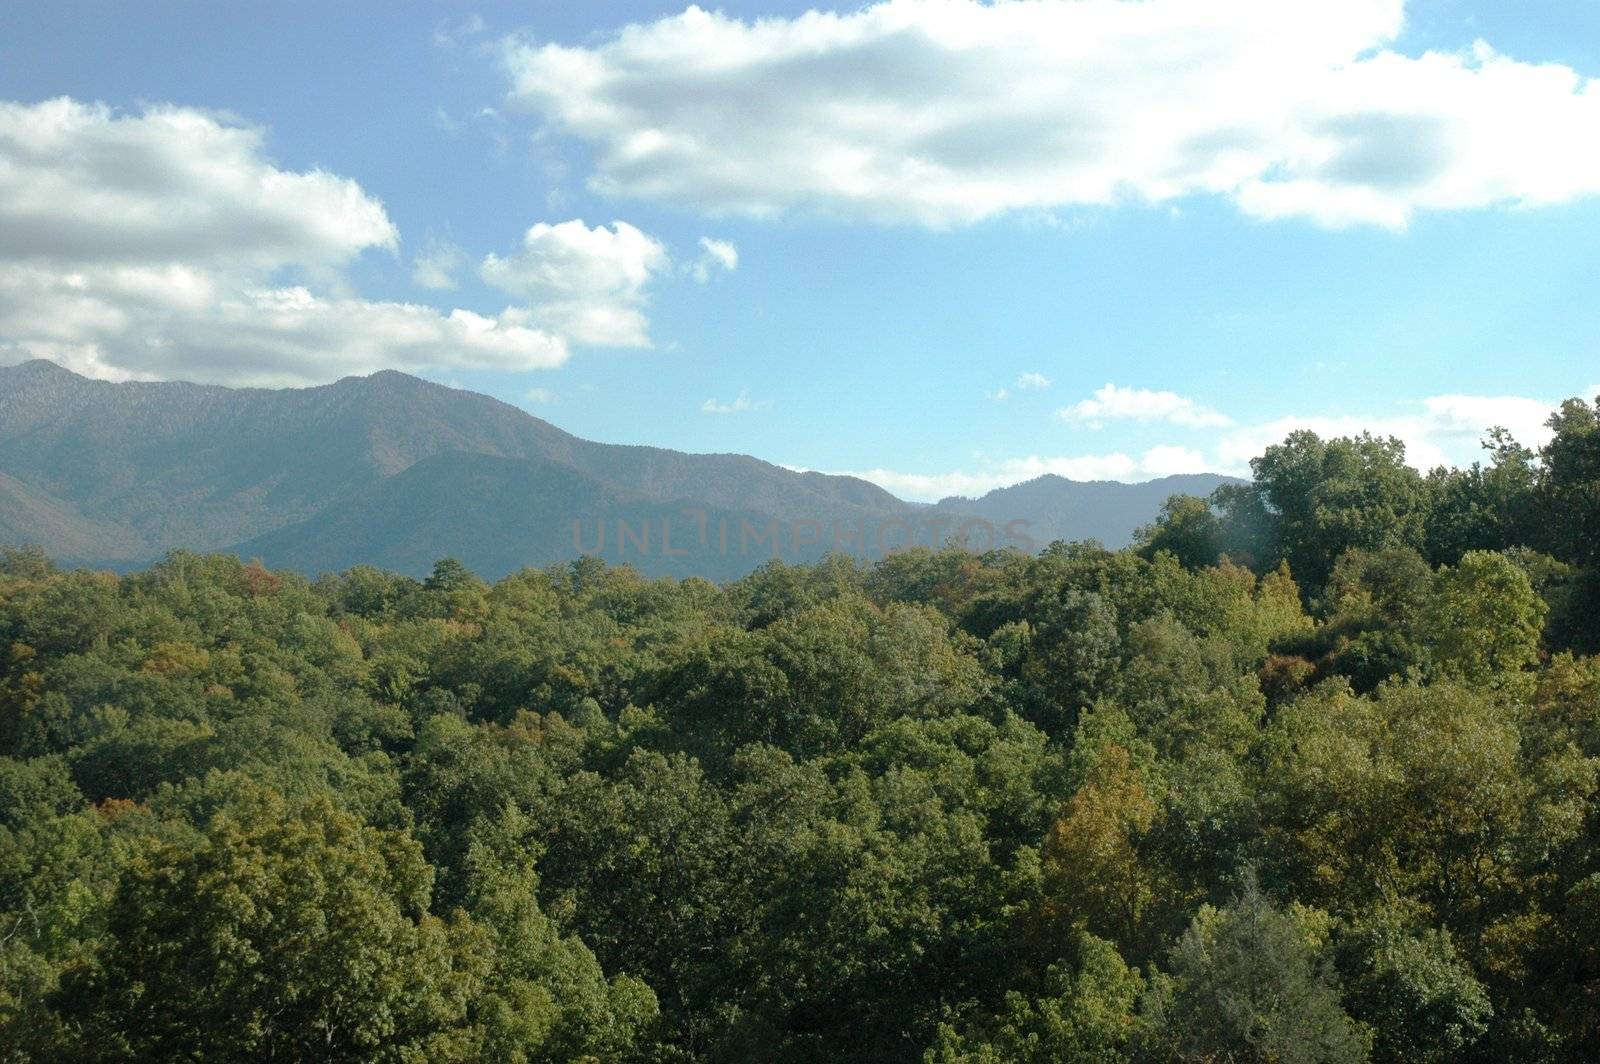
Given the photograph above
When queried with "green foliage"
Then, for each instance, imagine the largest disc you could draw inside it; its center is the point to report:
(544, 997)
(294, 933)
(1321, 498)
(1484, 508)
(1249, 983)
(1093, 875)
(1083, 1012)
(1414, 990)
(1569, 483)
(1485, 621)
(1188, 529)
(949, 808)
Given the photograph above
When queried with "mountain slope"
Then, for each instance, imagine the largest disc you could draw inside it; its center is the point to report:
(142, 468)
(497, 515)
(395, 471)
(1106, 510)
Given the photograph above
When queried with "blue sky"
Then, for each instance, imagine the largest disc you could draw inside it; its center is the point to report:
(1374, 222)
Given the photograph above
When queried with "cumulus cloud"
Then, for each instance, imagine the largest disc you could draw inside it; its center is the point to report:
(131, 324)
(1439, 430)
(1115, 403)
(582, 283)
(1443, 430)
(1470, 415)
(1170, 460)
(714, 255)
(164, 243)
(1116, 465)
(1025, 382)
(944, 112)
(81, 183)
(742, 403)
(436, 267)
(452, 32)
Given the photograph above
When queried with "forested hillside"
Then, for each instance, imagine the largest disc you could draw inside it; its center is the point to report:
(311, 478)
(1058, 508)
(394, 471)
(1309, 774)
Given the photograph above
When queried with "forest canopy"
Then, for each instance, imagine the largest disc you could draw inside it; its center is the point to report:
(1308, 774)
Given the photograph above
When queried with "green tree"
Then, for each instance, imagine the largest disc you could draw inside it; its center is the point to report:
(544, 997)
(290, 933)
(1569, 483)
(1414, 990)
(1484, 507)
(1324, 497)
(1245, 984)
(1485, 621)
(1084, 1012)
(1422, 794)
(1188, 528)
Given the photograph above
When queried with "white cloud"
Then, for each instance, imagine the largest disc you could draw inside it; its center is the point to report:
(943, 112)
(82, 184)
(1169, 460)
(165, 244)
(1025, 382)
(1470, 415)
(584, 284)
(1447, 429)
(452, 32)
(542, 396)
(436, 267)
(1115, 403)
(714, 255)
(931, 487)
(485, 122)
(123, 324)
(742, 403)
(1438, 430)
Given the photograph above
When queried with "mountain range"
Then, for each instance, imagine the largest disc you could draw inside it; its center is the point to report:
(397, 472)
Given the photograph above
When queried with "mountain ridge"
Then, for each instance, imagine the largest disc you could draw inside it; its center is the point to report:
(119, 473)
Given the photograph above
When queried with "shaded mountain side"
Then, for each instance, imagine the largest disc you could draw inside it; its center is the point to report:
(733, 480)
(395, 471)
(1106, 510)
(141, 468)
(28, 515)
(497, 515)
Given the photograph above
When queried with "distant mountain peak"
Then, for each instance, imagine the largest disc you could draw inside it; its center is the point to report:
(390, 381)
(1203, 482)
(394, 376)
(38, 367)
(395, 470)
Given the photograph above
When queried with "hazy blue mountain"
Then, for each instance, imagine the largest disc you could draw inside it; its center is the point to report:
(1107, 510)
(123, 472)
(497, 515)
(395, 471)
